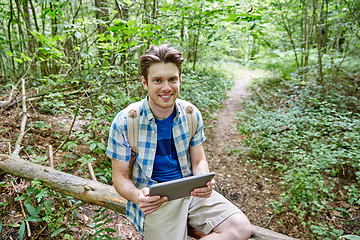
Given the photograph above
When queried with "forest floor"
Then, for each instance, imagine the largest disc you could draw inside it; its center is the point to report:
(246, 185)
(249, 187)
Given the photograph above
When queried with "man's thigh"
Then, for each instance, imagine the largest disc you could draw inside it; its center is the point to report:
(207, 213)
(168, 222)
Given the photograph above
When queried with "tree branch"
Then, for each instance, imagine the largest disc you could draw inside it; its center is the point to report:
(23, 121)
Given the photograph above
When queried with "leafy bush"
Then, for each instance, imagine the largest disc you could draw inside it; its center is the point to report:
(310, 134)
(205, 88)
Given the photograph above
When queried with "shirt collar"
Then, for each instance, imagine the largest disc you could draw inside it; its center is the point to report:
(147, 110)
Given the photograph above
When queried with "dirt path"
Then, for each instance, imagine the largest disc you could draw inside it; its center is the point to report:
(246, 185)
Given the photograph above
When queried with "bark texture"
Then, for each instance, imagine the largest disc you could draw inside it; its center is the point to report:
(84, 189)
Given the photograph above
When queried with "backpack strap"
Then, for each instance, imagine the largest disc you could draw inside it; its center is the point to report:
(133, 127)
(132, 121)
(190, 118)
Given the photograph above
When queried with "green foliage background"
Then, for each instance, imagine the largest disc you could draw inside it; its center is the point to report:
(78, 59)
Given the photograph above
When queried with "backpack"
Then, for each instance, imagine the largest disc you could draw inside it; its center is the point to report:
(133, 126)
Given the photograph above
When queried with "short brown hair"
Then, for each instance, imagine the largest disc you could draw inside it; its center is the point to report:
(163, 53)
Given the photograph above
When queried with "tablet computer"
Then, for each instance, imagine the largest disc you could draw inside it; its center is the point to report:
(181, 187)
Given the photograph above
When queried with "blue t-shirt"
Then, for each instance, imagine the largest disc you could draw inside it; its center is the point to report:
(166, 165)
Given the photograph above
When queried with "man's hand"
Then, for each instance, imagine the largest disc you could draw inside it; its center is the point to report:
(149, 204)
(204, 192)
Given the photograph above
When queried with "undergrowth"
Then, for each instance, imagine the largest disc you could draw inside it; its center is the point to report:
(310, 135)
(93, 107)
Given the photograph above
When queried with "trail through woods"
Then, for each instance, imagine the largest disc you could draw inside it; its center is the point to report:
(246, 185)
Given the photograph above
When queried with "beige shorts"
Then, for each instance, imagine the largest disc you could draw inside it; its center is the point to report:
(171, 219)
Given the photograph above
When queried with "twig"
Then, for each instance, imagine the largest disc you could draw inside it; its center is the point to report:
(69, 132)
(267, 224)
(22, 209)
(37, 235)
(91, 171)
(75, 115)
(3, 103)
(51, 159)
(9, 146)
(23, 121)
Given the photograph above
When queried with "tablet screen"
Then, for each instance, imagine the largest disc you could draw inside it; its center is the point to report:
(181, 187)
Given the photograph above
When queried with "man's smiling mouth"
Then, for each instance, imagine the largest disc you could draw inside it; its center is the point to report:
(166, 97)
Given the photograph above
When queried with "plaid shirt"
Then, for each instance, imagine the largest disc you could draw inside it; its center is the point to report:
(119, 148)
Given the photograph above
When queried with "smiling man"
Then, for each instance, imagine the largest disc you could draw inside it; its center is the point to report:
(167, 152)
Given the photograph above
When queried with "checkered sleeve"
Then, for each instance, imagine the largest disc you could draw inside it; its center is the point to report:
(199, 136)
(118, 146)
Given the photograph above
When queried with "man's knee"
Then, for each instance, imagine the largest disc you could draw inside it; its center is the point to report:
(238, 227)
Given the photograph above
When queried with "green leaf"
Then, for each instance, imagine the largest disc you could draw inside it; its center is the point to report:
(18, 60)
(102, 39)
(128, 2)
(57, 232)
(47, 204)
(19, 198)
(13, 225)
(148, 28)
(31, 209)
(75, 214)
(113, 28)
(93, 146)
(52, 14)
(232, 18)
(110, 230)
(22, 230)
(9, 53)
(131, 23)
(157, 27)
(38, 209)
(25, 57)
(0, 226)
(101, 146)
(29, 189)
(33, 219)
(350, 237)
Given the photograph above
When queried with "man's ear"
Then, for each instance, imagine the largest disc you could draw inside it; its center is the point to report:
(180, 79)
(144, 83)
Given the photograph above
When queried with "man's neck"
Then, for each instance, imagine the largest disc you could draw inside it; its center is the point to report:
(161, 113)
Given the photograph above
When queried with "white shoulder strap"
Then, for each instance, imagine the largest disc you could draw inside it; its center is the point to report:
(190, 118)
(133, 125)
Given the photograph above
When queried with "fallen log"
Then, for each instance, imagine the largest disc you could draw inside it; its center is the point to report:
(89, 191)
(86, 190)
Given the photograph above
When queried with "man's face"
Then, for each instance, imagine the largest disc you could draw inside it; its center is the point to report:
(162, 86)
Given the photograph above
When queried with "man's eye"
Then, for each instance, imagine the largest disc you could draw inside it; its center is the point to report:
(157, 80)
(173, 80)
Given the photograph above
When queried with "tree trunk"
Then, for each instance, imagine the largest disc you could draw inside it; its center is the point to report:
(9, 36)
(288, 30)
(101, 14)
(84, 189)
(318, 42)
(92, 192)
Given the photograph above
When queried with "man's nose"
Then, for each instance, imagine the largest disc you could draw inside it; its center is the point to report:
(166, 86)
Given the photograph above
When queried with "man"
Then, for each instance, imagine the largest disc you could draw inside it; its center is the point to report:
(165, 153)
